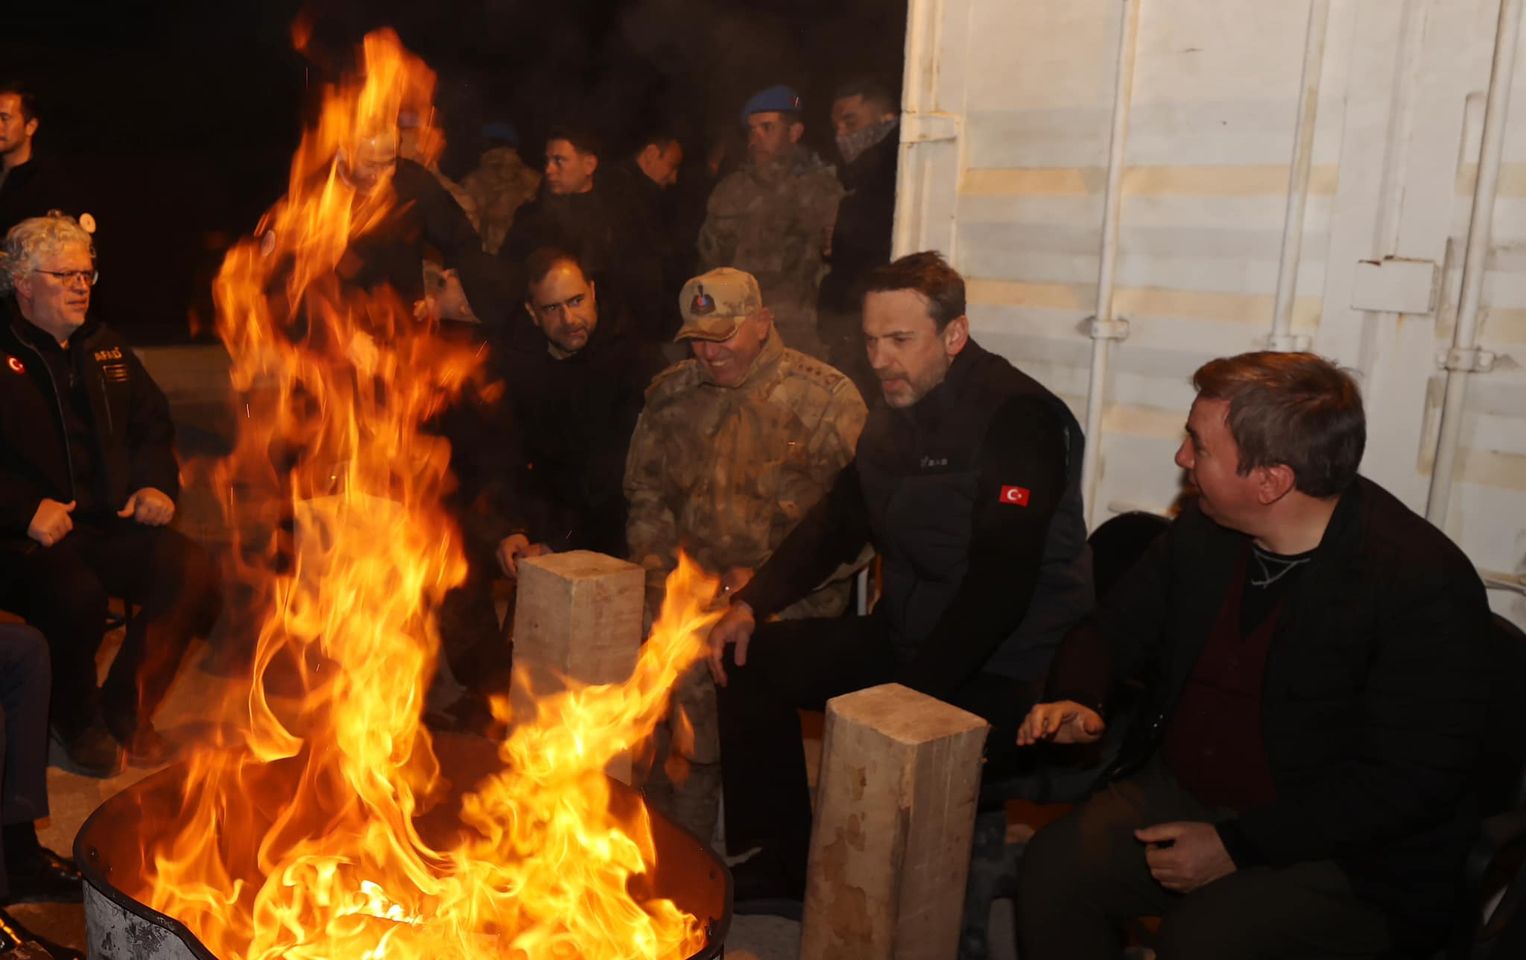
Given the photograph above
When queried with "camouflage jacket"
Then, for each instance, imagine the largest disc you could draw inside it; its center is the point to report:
(500, 185)
(775, 223)
(726, 473)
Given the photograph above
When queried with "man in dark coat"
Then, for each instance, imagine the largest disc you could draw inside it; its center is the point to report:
(88, 481)
(30, 186)
(541, 471)
(1299, 782)
(966, 479)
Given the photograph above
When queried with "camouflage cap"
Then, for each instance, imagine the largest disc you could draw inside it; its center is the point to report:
(714, 303)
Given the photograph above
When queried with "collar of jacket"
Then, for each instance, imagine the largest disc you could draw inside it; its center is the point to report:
(762, 365)
(797, 162)
(17, 326)
(947, 395)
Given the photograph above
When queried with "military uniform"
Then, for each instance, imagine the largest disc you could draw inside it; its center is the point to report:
(725, 473)
(501, 184)
(775, 221)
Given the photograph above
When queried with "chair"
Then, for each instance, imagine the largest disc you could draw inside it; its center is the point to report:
(1497, 863)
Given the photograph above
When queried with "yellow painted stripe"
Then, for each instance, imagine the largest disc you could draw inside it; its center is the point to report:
(1491, 469)
(1137, 302)
(1512, 179)
(1504, 326)
(1243, 180)
(1046, 296)
(1145, 421)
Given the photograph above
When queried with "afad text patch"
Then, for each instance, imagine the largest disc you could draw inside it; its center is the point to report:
(1017, 496)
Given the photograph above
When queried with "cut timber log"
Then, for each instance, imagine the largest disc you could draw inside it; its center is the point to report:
(577, 615)
(895, 814)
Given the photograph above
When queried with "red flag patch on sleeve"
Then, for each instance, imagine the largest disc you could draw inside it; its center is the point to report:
(1017, 496)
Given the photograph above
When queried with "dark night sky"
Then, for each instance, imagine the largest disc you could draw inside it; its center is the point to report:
(179, 117)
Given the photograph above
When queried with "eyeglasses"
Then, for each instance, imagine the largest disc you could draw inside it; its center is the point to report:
(87, 277)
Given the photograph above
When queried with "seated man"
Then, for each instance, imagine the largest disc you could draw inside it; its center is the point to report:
(88, 481)
(967, 482)
(1298, 784)
(733, 448)
(548, 479)
(33, 873)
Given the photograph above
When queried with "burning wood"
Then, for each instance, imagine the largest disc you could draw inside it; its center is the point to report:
(327, 860)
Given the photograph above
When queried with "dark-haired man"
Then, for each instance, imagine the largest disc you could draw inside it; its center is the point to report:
(773, 216)
(30, 186)
(966, 479)
(548, 479)
(1298, 784)
(601, 227)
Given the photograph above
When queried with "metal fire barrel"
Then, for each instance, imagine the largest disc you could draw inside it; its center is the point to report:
(109, 852)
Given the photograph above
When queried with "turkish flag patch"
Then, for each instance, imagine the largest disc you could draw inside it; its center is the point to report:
(1017, 496)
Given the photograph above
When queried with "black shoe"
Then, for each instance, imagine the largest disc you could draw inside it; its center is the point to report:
(470, 713)
(90, 753)
(147, 747)
(42, 876)
(763, 884)
(19, 943)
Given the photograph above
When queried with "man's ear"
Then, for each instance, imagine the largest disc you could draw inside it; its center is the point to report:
(1274, 482)
(956, 335)
(796, 131)
(531, 311)
(31, 128)
(590, 163)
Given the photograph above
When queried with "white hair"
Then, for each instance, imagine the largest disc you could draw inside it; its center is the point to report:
(30, 240)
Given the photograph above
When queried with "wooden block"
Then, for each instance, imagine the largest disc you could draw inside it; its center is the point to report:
(577, 615)
(895, 816)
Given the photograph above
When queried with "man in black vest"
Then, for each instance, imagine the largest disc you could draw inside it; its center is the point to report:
(967, 481)
(88, 482)
(1298, 784)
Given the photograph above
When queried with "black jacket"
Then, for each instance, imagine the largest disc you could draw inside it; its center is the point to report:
(34, 188)
(972, 498)
(426, 217)
(129, 416)
(1372, 704)
(865, 219)
(570, 422)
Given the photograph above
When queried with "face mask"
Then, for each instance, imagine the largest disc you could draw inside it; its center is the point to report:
(854, 144)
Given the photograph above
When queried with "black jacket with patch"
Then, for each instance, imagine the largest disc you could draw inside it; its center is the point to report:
(130, 421)
(972, 497)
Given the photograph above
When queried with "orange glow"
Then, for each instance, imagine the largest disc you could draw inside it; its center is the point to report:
(332, 464)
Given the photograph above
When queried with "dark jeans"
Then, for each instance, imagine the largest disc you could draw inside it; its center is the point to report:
(1085, 874)
(63, 590)
(24, 678)
(801, 664)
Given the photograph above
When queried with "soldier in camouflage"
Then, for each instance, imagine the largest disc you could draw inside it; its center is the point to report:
(774, 216)
(500, 185)
(732, 448)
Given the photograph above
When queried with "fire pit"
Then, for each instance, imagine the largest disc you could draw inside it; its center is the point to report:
(110, 844)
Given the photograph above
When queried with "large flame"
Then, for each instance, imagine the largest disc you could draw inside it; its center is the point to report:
(335, 386)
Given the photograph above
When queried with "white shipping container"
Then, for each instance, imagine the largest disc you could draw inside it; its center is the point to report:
(1299, 174)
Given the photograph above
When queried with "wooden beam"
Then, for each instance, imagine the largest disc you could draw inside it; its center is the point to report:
(895, 815)
(577, 615)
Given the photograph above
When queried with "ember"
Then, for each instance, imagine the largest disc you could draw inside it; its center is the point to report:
(301, 837)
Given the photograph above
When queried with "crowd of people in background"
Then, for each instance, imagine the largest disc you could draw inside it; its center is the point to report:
(764, 388)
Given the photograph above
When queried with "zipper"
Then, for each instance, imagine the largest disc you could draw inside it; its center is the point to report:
(63, 421)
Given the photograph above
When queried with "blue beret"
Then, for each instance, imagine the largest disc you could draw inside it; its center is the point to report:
(501, 130)
(776, 98)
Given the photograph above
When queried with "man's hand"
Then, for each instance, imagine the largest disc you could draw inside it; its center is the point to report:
(51, 523)
(1185, 855)
(149, 507)
(1063, 721)
(735, 627)
(513, 548)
